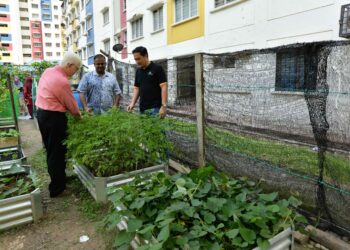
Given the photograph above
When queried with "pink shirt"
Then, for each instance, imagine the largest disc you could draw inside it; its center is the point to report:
(54, 92)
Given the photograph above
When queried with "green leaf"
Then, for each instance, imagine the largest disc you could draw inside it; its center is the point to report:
(181, 241)
(156, 246)
(180, 182)
(294, 201)
(196, 202)
(134, 225)
(232, 233)
(268, 197)
(137, 204)
(247, 234)
(273, 208)
(146, 229)
(263, 244)
(209, 218)
(164, 234)
(124, 237)
(215, 204)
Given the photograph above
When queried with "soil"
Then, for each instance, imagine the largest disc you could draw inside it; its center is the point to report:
(63, 223)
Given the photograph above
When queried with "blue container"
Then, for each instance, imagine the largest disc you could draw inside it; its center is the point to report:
(77, 99)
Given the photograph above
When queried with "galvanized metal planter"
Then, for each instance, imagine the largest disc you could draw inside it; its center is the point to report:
(20, 210)
(9, 156)
(98, 186)
(7, 142)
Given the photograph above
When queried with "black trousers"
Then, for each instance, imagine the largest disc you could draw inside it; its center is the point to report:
(53, 129)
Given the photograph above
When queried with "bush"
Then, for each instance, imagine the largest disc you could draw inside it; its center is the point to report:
(117, 142)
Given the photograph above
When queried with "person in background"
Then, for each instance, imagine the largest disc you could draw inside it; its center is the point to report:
(28, 95)
(18, 85)
(150, 85)
(99, 90)
(54, 99)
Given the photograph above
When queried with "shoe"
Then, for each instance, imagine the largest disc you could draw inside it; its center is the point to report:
(55, 194)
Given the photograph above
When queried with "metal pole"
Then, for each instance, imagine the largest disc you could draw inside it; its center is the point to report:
(14, 114)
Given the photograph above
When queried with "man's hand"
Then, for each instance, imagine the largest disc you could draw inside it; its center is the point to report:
(130, 108)
(162, 112)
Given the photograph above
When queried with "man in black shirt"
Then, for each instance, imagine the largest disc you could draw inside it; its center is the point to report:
(150, 85)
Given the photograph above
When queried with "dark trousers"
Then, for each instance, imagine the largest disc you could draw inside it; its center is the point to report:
(53, 129)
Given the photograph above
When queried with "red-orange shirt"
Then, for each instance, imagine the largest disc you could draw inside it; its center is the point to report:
(54, 92)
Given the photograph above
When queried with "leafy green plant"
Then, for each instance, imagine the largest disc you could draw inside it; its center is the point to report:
(10, 133)
(15, 185)
(117, 142)
(40, 66)
(204, 209)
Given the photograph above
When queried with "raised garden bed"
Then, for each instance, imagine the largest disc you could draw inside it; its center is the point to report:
(111, 149)
(20, 200)
(99, 187)
(9, 156)
(8, 138)
(203, 209)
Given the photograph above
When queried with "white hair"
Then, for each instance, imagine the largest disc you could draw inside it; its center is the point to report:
(71, 58)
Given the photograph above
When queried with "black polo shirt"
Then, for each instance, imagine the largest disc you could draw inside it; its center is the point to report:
(149, 80)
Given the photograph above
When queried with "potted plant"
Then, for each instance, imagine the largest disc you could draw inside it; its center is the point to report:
(111, 149)
(204, 209)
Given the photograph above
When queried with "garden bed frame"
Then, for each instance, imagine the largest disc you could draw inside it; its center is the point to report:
(21, 159)
(98, 186)
(7, 142)
(20, 210)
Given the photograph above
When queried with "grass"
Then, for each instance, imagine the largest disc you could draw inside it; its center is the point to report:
(299, 159)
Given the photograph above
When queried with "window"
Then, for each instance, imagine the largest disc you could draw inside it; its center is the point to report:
(345, 21)
(125, 38)
(55, 7)
(24, 18)
(185, 9)
(37, 45)
(23, 1)
(23, 9)
(3, 25)
(6, 54)
(46, 16)
(88, 24)
(224, 62)
(219, 3)
(124, 4)
(58, 45)
(25, 37)
(24, 28)
(78, 32)
(36, 35)
(107, 46)
(47, 34)
(106, 17)
(46, 6)
(158, 19)
(35, 16)
(90, 51)
(26, 46)
(35, 6)
(48, 53)
(3, 15)
(47, 25)
(291, 66)
(37, 54)
(35, 25)
(84, 53)
(57, 35)
(27, 55)
(57, 26)
(48, 44)
(5, 45)
(56, 17)
(137, 28)
(58, 53)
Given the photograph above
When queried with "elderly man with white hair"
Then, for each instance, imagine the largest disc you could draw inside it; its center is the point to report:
(54, 99)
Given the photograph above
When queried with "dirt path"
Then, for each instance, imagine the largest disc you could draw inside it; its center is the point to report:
(63, 222)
